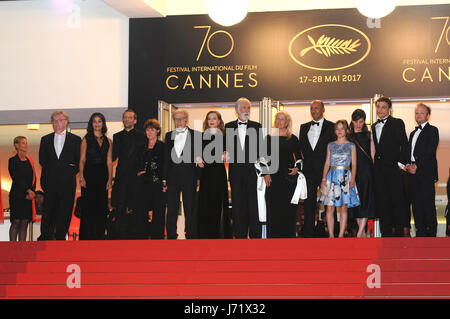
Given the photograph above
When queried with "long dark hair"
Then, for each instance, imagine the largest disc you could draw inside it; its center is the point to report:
(356, 116)
(90, 128)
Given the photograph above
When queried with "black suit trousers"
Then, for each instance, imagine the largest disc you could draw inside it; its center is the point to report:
(423, 205)
(243, 182)
(58, 208)
(181, 181)
(391, 201)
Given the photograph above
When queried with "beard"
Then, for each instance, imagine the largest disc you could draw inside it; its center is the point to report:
(244, 116)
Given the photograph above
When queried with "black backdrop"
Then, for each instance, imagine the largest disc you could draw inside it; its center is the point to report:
(296, 55)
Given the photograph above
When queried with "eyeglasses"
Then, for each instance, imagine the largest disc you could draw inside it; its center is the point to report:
(179, 118)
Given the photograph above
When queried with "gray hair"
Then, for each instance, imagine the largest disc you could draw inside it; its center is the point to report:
(238, 103)
(59, 112)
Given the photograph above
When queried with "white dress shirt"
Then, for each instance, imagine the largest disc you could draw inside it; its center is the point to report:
(414, 140)
(242, 130)
(58, 142)
(379, 128)
(180, 140)
(314, 133)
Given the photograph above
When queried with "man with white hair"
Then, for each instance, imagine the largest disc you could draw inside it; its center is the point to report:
(182, 157)
(242, 150)
(59, 156)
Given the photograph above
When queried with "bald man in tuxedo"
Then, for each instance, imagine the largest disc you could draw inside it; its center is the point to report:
(423, 172)
(314, 137)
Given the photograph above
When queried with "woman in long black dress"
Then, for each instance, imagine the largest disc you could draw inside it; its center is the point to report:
(365, 150)
(151, 198)
(95, 178)
(213, 214)
(281, 214)
(22, 190)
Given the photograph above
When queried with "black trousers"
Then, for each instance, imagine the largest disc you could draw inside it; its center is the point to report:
(58, 209)
(391, 201)
(243, 182)
(310, 206)
(423, 205)
(124, 198)
(185, 183)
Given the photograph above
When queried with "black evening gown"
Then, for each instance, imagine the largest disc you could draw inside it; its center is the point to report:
(281, 214)
(22, 180)
(150, 194)
(213, 214)
(364, 178)
(95, 194)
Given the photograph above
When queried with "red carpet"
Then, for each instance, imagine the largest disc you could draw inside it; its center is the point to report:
(257, 269)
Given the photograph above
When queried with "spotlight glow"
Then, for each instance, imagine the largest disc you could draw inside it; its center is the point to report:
(375, 9)
(227, 12)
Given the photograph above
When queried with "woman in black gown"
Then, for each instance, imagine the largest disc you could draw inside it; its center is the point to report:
(281, 214)
(365, 150)
(213, 207)
(22, 190)
(151, 198)
(95, 178)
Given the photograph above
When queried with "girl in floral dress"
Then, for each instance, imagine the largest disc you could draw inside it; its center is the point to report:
(338, 181)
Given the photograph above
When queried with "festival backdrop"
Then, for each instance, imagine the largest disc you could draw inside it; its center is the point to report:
(295, 55)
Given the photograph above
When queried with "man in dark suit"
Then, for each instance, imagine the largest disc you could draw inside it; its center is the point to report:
(242, 149)
(59, 156)
(128, 144)
(181, 172)
(391, 145)
(314, 137)
(423, 143)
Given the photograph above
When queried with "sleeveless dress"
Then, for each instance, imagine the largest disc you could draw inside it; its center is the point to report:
(95, 195)
(337, 192)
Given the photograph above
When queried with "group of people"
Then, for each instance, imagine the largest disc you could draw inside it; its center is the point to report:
(365, 174)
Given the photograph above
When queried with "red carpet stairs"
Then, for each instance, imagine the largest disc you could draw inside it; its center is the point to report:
(219, 269)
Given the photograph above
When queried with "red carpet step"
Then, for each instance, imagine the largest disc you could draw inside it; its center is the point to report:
(229, 269)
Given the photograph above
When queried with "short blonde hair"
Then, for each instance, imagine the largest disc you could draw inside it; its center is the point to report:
(17, 140)
(288, 119)
(59, 112)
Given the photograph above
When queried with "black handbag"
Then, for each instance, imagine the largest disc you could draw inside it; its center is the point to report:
(78, 207)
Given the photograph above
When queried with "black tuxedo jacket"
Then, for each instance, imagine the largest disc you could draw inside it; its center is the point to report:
(425, 152)
(192, 149)
(128, 148)
(314, 160)
(59, 173)
(234, 142)
(393, 144)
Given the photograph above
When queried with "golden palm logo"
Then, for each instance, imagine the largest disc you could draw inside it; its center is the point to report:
(329, 46)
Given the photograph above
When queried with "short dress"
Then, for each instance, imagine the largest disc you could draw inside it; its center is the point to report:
(337, 192)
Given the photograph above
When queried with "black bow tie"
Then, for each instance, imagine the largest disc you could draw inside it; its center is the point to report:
(418, 127)
(381, 121)
(315, 123)
(242, 123)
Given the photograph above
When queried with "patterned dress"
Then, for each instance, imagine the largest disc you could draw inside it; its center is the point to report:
(337, 192)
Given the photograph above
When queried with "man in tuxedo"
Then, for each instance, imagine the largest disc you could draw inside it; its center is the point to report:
(314, 137)
(391, 145)
(181, 172)
(242, 141)
(423, 143)
(128, 144)
(59, 156)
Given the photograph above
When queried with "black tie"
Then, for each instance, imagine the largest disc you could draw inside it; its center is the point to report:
(418, 127)
(381, 121)
(315, 123)
(242, 123)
